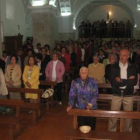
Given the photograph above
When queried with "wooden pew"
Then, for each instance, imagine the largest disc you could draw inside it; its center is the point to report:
(48, 83)
(108, 97)
(49, 101)
(11, 121)
(76, 134)
(35, 107)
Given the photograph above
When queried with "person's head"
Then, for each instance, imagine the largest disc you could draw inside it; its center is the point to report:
(113, 58)
(4, 54)
(31, 61)
(47, 47)
(95, 59)
(58, 47)
(101, 52)
(13, 59)
(124, 55)
(43, 51)
(19, 53)
(38, 57)
(38, 45)
(114, 50)
(83, 73)
(70, 48)
(131, 49)
(30, 52)
(63, 50)
(55, 57)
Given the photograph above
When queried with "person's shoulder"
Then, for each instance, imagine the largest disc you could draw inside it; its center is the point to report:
(91, 80)
(132, 65)
(90, 65)
(77, 80)
(101, 65)
(60, 62)
(1, 71)
(17, 65)
(115, 65)
(36, 67)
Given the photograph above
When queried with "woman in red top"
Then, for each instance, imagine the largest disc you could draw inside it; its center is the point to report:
(67, 58)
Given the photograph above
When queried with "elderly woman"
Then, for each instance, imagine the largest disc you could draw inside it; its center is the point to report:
(3, 88)
(84, 93)
(13, 76)
(31, 79)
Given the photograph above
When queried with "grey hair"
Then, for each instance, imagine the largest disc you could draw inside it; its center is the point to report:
(83, 68)
(113, 55)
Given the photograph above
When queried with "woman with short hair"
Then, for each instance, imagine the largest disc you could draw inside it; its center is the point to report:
(13, 76)
(31, 79)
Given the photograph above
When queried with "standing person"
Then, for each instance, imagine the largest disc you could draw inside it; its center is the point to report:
(73, 56)
(38, 58)
(123, 79)
(54, 72)
(67, 58)
(13, 76)
(3, 88)
(85, 91)
(31, 79)
(96, 70)
(2, 65)
(26, 59)
(113, 59)
(45, 58)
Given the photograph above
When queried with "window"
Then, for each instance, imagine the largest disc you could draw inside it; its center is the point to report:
(38, 2)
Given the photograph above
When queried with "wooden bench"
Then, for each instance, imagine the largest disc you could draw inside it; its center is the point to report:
(105, 97)
(76, 134)
(11, 121)
(108, 98)
(49, 101)
(35, 107)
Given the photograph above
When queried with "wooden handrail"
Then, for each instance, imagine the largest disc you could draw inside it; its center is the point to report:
(48, 83)
(105, 113)
(106, 85)
(25, 90)
(109, 97)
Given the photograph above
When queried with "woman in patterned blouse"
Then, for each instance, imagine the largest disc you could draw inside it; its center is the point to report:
(85, 91)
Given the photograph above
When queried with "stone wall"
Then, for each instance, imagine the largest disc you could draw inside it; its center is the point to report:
(44, 28)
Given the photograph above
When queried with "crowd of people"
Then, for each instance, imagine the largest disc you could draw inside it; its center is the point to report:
(105, 29)
(116, 61)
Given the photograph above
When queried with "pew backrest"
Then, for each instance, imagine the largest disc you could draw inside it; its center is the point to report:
(104, 114)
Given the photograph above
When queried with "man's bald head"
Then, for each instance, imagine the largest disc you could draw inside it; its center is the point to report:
(83, 73)
(124, 55)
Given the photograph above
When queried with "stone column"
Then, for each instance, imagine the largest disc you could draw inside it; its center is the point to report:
(44, 26)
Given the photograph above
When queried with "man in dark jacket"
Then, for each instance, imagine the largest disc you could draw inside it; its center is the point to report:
(123, 79)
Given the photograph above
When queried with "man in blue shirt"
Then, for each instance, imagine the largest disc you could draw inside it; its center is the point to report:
(84, 91)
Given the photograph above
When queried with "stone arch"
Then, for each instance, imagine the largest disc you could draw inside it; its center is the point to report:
(86, 8)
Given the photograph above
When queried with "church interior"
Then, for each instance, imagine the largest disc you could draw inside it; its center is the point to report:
(67, 66)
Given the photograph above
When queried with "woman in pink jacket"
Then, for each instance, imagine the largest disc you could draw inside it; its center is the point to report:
(54, 72)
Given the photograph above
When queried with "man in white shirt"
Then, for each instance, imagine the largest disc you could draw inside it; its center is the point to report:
(123, 78)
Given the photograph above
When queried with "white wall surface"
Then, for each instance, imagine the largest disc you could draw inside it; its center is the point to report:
(65, 24)
(13, 18)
